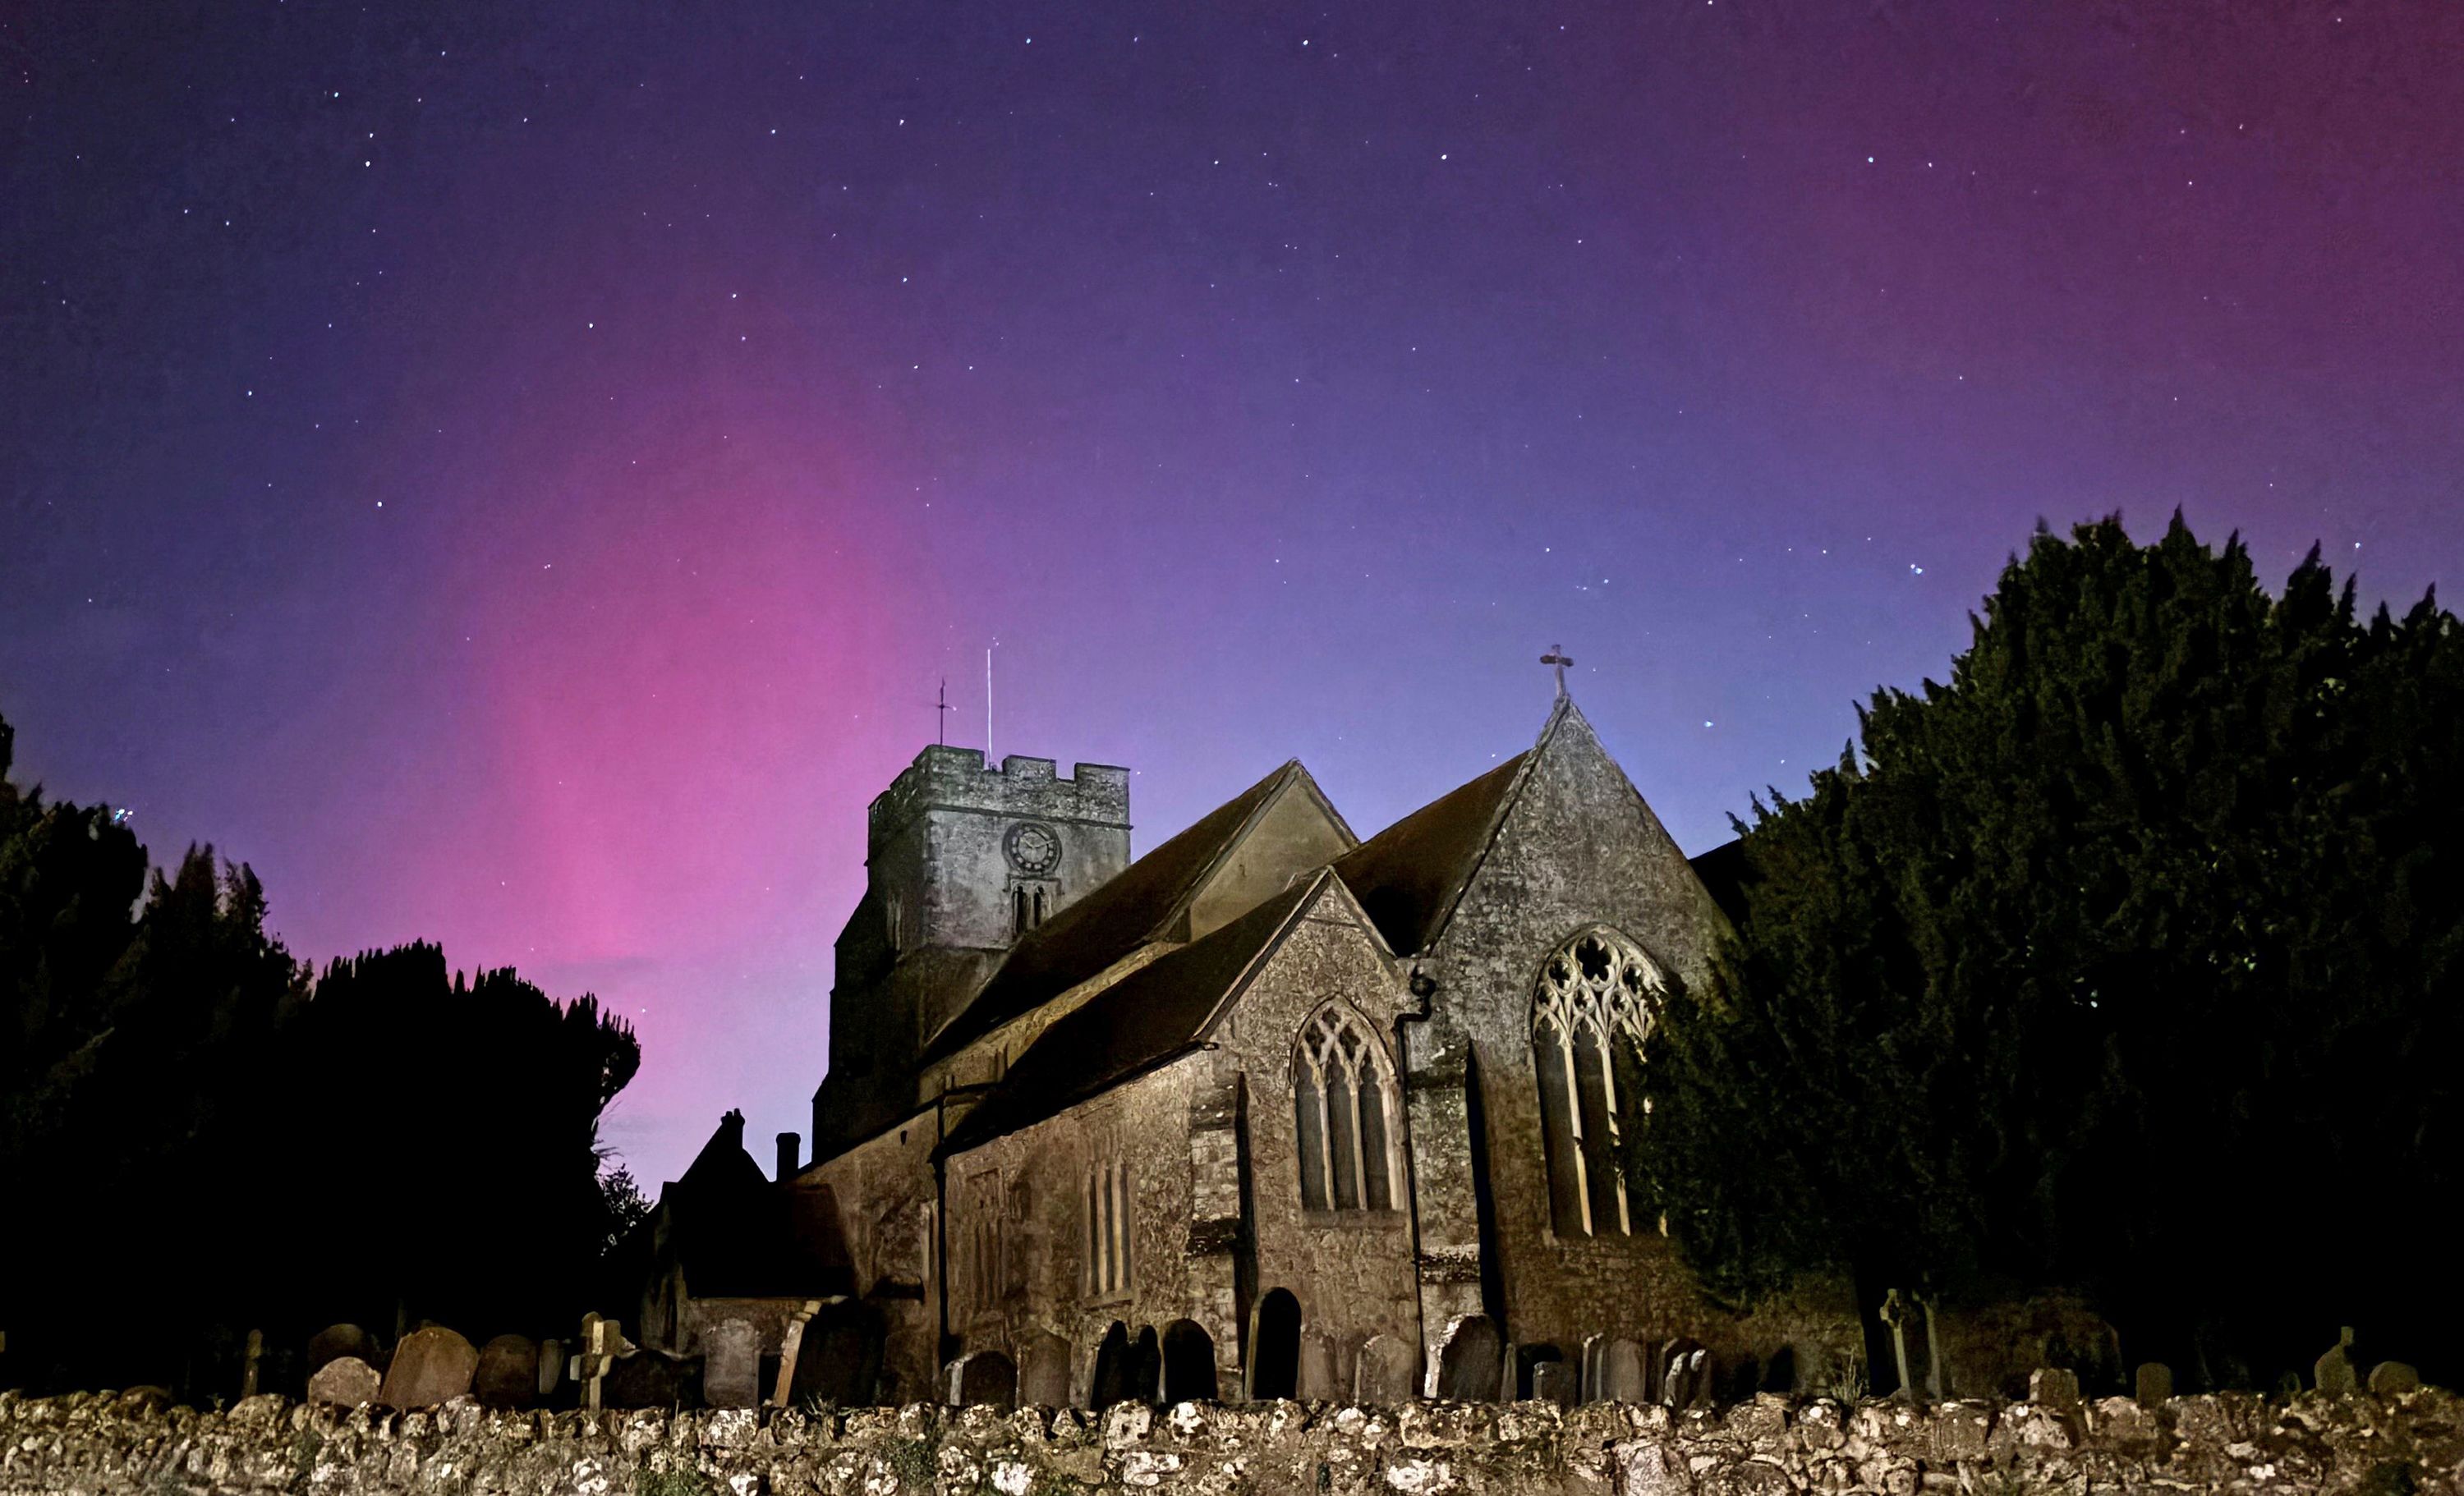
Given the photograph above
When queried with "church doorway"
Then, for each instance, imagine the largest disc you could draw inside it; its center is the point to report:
(1275, 1347)
(1188, 1363)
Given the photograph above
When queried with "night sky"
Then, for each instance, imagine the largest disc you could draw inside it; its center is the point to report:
(516, 474)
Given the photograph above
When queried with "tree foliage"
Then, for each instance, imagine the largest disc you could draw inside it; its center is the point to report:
(196, 1140)
(2127, 961)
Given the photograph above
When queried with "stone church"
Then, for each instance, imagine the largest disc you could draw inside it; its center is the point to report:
(1270, 1111)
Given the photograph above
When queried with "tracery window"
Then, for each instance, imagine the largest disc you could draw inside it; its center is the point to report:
(1589, 1013)
(1344, 1107)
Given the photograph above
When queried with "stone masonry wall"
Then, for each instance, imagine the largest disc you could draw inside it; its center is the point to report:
(97, 1444)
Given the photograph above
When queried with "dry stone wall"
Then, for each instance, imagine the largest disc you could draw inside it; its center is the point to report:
(104, 1445)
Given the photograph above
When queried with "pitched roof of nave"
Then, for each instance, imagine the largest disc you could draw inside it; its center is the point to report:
(1155, 1014)
(1144, 902)
(1410, 876)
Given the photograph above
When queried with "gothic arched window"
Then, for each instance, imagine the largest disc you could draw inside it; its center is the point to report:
(1344, 1107)
(1589, 1016)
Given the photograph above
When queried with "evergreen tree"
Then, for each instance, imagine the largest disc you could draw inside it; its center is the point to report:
(196, 1141)
(2127, 961)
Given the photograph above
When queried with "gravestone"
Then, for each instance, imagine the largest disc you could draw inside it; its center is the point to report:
(1109, 1382)
(2334, 1374)
(1472, 1363)
(731, 1368)
(2153, 1387)
(507, 1375)
(336, 1341)
(345, 1382)
(429, 1367)
(1317, 1378)
(1146, 1366)
(1684, 1368)
(250, 1358)
(1587, 1385)
(651, 1380)
(2393, 1379)
(2054, 1387)
(551, 1367)
(1624, 1376)
(983, 1378)
(782, 1391)
(1043, 1370)
(1385, 1372)
(1552, 1381)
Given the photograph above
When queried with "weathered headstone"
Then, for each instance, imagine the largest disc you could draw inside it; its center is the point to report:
(1384, 1372)
(1109, 1382)
(731, 1370)
(651, 1380)
(2153, 1386)
(1043, 1370)
(507, 1375)
(336, 1341)
(1552, 1381)
(1471, 1364)
(1684, 1373)
(1146, 1365)
(1317, 1377)
(345, 1382)
(2054, 1387)
(983, 1378)
(791, 1340)
(1588, 1379)
(1895, 1314)
(2334, 1374)
(430, 1366)
(551, 1367)
(2393, 1379)
(1623, 1376)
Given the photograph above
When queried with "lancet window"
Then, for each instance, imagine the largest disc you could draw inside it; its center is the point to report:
(1345, 1106)
(1592, 1009)
(1107, 1229)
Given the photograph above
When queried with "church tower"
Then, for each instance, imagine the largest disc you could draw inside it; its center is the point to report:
(960, 861)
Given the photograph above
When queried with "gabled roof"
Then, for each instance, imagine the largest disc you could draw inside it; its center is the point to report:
(1155, 1014)
(727, 1226)
(1410, 876)
(1141, 903)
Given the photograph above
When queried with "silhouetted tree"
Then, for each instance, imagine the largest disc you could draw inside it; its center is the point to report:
(195, 1142)
(2127, 961)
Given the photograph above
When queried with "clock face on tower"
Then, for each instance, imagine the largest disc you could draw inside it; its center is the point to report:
(1034, 848)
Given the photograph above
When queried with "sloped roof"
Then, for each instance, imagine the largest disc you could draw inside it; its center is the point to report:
(728, 1227)
(1134, 906)
(1408, 876)
(1148, 1017)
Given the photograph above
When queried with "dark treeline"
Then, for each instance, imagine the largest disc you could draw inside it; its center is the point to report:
(2127, 963)
(200, 1136)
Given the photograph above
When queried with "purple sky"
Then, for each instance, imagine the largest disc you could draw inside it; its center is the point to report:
(516, 473)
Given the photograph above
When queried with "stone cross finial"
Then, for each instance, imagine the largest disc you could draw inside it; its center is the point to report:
(1558, 657)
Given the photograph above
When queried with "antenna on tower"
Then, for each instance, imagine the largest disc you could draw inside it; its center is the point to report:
(988, 706)
(941, 714)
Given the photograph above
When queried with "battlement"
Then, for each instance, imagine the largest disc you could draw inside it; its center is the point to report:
(943, 778)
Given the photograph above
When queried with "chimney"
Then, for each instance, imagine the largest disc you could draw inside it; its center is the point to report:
(731, 1127)
(788, 1148)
